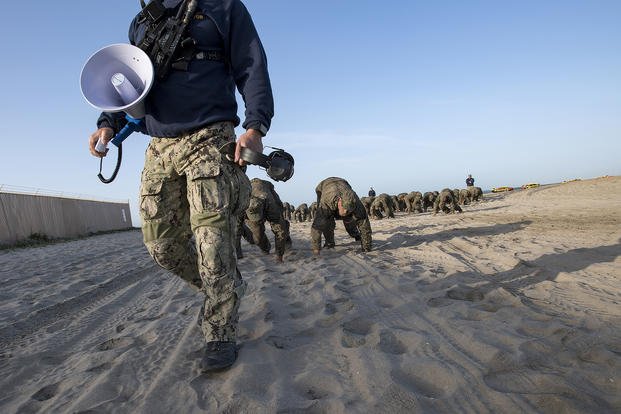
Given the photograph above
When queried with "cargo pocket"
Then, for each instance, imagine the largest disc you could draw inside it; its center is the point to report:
(151, 199)
(206, 189)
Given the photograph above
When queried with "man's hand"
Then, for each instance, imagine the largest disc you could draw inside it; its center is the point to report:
(251, 139)
(106, 134)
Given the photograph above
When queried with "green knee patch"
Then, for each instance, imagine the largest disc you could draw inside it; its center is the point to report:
(154, 230)
(210, 219)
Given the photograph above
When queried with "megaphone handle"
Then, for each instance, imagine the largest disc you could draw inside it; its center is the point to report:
(132, 125)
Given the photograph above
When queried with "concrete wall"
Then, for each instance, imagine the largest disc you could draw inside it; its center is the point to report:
(23, 214)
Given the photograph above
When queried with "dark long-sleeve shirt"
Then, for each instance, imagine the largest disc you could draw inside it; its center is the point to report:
(187, 101)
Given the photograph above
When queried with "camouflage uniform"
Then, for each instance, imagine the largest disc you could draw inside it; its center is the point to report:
(189, 189)
(428, 200)
(286, 211)
(395, 203)
(401, 202)
(265, 205)
(456, 194)
(356, 223)
(475, 193)
(366, 202)
(414, 202)
(301, 213)
(312, 210)
(382, 207)
(447, 202)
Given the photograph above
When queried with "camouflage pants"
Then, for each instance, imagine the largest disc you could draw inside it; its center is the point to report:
(190, 201)
(281, 235)
(268, 208)
(324, 224)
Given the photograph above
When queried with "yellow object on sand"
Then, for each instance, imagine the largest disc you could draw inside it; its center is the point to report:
(530, 185)
(501, 189)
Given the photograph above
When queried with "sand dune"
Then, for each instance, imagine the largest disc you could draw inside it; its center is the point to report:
(512, 306)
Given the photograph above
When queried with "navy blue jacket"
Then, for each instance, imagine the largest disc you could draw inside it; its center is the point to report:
(187, 101)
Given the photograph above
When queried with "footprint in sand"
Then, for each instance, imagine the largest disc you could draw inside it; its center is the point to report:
(317, 386)
(427, 378)
(47, 392)
(338, 305)
(52, 359)
(297, 339)
(100, 368)
(279, 342)
(390, 344)
(355, 332)
(439, 302)
(115, 343)
(313, 390)
(307, 281)
(299, 311)
(284, 291)
(385, 302)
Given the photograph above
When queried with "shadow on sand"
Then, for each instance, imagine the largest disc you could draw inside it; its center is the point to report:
(522, 275)
(405, 240)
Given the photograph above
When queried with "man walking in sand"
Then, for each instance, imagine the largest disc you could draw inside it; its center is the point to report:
(336, 200)
(188, 189)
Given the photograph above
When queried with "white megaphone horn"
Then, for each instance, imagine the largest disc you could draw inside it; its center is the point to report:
(118, 78)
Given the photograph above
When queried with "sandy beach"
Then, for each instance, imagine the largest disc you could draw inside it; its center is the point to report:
(513, 306)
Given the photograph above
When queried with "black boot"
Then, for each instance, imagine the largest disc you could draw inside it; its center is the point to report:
(218, 355)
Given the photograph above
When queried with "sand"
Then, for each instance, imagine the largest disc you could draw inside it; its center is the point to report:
(511, 307)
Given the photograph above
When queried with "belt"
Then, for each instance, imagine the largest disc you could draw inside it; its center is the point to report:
(214, 55)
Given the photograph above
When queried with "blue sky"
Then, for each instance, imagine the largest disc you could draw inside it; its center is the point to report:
(400, 95)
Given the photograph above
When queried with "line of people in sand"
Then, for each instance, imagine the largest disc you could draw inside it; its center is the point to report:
(336, 200)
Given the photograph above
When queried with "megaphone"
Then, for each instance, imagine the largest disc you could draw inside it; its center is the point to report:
(117, 78)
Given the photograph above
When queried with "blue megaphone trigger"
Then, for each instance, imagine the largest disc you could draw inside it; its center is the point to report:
(133, 124)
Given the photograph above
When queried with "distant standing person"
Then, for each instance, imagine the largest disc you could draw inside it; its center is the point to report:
(469, 181)
(371, 192)
(336, 200)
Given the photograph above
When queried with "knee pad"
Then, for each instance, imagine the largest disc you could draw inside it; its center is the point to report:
(167, 252)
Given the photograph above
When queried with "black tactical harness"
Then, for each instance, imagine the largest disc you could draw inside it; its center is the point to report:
(168, 46)
(165, 39)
